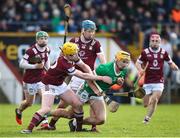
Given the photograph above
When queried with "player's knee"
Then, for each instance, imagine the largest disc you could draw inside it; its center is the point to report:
(100, 120)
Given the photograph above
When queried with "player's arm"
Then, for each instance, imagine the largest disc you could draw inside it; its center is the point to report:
(173, 66)
(88, 76)
(24, 64)
(101, 58)
(138, 65)
(84, 66)
(140, 61)
(93, 84)
(100, 70)
(94, 88)
(35, 62)
(100, 53)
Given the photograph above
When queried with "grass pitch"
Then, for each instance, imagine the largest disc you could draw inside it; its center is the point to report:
(126, 122)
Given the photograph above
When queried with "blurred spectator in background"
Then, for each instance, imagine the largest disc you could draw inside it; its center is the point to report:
(3, 26)
(166, 45)
(56, 19)
(176, 74)
(176, 57)
(176, 12)
(28, 13)
(126, 19)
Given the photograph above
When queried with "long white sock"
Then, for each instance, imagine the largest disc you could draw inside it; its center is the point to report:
(74, 122)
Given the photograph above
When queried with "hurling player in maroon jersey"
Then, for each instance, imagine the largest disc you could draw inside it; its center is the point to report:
(89, 50)
(33, 71)
(54, 85)
(154, 81)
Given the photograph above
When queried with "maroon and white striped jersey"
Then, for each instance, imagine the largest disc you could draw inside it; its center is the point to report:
(88, 51)
(35, 75)
(154, 71)
(59, 71)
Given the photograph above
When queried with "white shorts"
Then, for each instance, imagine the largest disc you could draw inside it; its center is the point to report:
(33, 88)
(151, 87)
(56, 90)
(85, 97)
(75, 83)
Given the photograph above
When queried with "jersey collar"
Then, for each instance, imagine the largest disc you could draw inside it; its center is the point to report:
(82, 38)
(154, 50)
(41, 49)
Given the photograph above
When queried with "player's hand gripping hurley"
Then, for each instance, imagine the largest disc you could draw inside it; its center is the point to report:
(137, 92)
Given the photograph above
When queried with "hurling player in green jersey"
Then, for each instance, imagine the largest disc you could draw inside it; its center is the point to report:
(91, 92)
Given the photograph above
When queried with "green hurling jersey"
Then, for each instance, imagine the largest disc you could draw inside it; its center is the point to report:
(107, 69)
